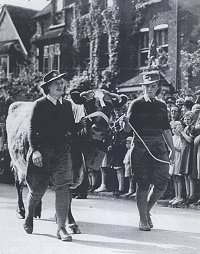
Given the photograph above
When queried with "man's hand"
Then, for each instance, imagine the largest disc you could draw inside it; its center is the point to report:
(126, 126)
(37, 158)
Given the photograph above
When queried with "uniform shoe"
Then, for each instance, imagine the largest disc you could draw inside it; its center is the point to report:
(172, 200)
(197, 203)
(28, 225)
(144, 226)
(63, 235)
(190, 201)
(74, 229)
(126, 195)
(133, 195)
(177, 201)
(101, 188)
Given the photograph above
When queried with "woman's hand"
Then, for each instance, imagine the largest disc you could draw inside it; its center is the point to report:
(37, 158)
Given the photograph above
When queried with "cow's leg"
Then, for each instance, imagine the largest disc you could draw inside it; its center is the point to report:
(38, 210)
(73, 227)
(20, 212)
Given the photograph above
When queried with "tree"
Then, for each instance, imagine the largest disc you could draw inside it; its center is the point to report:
(24, 87)
(192, 60)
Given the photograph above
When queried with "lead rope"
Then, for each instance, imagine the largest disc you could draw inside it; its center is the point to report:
(155, 158)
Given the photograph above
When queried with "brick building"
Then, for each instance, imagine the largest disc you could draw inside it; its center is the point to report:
(113, 40)
(167, 27)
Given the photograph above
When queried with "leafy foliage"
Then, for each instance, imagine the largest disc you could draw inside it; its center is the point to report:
(24, 86)
(192, 60)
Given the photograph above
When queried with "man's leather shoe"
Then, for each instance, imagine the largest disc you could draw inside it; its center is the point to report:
(149, 220)
(74, 229)
(144, 226)
(28, 225)
(63, 235)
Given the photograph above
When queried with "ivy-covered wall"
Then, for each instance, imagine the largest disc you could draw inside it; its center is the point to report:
(114, 26)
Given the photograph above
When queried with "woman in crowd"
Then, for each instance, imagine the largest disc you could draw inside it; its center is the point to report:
(186, 156)
(177, 126)
(175, 113)
(118, 152)
(127, 166)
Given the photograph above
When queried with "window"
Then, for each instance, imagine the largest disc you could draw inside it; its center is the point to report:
(58, 15)
(144, 47)
(59, 5)
(51, 59)
(4, 64)
(161, 40)
(85, 7)
(69, 17)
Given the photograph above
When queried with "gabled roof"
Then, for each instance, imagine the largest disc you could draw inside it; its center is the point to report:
(48, 9)
(6, 46)
(23, 22)
(130, 85)
(52, 34)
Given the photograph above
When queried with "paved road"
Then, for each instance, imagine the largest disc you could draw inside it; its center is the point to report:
(108, 227)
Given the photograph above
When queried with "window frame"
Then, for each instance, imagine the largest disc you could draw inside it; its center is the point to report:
(51, 52)
(161, 37)
(145, 49)
(5, 56)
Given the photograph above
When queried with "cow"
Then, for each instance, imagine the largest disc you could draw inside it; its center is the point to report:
(98, 106)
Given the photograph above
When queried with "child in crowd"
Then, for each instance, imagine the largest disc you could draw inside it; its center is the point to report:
(118, 152)
(106, 164)
(127, 165)
(186, 156)
(177, 126)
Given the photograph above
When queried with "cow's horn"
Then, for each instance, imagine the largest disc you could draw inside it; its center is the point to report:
(85, 93)
(117, 96)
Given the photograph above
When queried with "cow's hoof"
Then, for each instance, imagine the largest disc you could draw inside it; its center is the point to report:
(28, 225)
(74, 229)
(37, 216)
(20, 213)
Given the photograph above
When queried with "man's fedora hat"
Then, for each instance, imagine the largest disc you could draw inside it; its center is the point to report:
(150, 77)
(51, 76)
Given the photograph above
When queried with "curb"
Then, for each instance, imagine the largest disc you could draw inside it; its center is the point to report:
(163, 203)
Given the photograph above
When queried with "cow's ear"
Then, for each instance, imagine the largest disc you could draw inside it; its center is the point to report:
(121, 103)
(77, 99)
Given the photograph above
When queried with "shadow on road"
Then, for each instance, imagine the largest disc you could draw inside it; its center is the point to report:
(129, 238)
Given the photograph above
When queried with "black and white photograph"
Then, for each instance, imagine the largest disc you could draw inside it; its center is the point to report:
(100, 126)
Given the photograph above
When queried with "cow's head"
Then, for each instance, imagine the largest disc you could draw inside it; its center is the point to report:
(98, 105)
